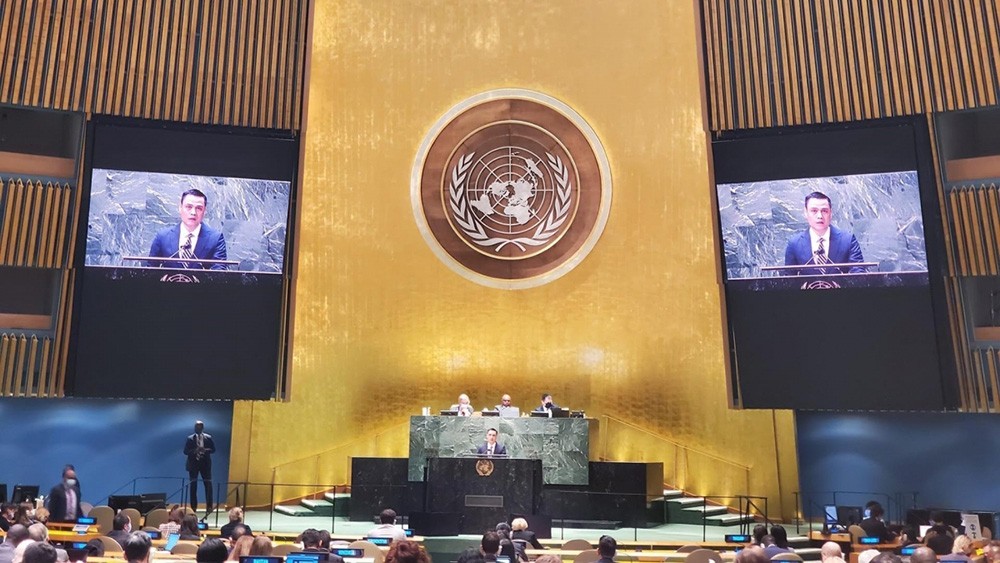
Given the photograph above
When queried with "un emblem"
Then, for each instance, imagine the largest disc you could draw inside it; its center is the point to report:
(511, 189)
(484, 467)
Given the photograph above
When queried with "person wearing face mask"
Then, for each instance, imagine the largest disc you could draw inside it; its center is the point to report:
(199, 449)
(63, 501)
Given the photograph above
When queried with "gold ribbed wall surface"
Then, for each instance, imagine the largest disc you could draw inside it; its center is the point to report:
(790, 62)
(234, 62)
(382, 327)
(34, 226)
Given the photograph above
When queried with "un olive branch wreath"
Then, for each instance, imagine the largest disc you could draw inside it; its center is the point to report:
(474, 230)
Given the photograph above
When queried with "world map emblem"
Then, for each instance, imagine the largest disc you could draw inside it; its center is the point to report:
(511, 189)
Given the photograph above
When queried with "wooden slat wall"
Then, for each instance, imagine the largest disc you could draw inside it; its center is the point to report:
(232, 62)
(773, 63)
(25, 365)
(34, 223)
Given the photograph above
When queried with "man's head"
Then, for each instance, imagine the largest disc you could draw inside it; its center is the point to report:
(887, 557)
(923, 554)
(752, 554)
(239, 531)
(607, 546)
(38, 532)
(212, 551)
(311, 538)
(546, 399)
(17, 534)
(235, 514)
(503, 530)
(137, 546)
(491, 543)
(199, 427)
(69, 475)
(463, 399)
(192, 208)
(875, 510)
(387, 516)
(818, 211)
(830, 550)
(505, 400)
(491, 436)
(122, 522)
(40, 552)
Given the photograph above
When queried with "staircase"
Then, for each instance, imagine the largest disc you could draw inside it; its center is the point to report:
(682, 509)
(332, 504)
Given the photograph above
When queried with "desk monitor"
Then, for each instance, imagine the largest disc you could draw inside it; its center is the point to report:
(848, 515)
(560, 412)
(510, 412)
(409, 532)
(307, 557)
(503, 559)
(448, 412)
(121, 502)
(24, 493)
(924, 530)
(908, 550)
(491, 413)
(869, 540)
(830, 514)
(260, 559)
(153, 534)
(348, 552)
(380, 541)
(738, 538)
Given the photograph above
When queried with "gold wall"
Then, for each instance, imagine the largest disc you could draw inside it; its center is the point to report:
(633, 335)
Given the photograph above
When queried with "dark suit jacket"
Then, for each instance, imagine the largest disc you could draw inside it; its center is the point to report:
(874, 527)
(119, 536)
(499, 449)
(528, 536)
(211, 246)
(57, 503)
(842, 248)
(191, 451)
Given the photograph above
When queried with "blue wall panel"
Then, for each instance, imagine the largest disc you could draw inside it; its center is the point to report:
(110, 442)
(947, 458)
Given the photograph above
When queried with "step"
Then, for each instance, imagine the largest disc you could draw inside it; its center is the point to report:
(728, 520)
(708, 510)
(319, 507)
(293, 510)
(672, 493)
(341, 503)
(687, 501)
(592, 524)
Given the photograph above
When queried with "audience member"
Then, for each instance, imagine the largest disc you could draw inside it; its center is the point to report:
(939, 540)
(324, 539)
(211, 550)
(261, 546)
(780, 537)
(991, 551)
(173, 523)
(64, 499)
(235, 519)
(830, 550)
(121, 527)
(42, 516)
(752, 554)
(15, 535)
(606, 548)
(387, 528)
(874, 526)
(7, 512)
(24, 515)
(38, 532)
(867, 555)
(137, 546)
(490, 545)
(759, 531)
(513, 551)
(406, 551)
(548, 559)
(771, 548)
(936, 520)
(189, 528)
(887, 557)
(521, 532)
(40, 552)
(310, 540)
(240, 548)
(923, 554)
(962, 544)
(470, 555)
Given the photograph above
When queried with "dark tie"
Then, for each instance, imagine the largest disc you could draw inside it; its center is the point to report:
(186, 250)
(821, 257)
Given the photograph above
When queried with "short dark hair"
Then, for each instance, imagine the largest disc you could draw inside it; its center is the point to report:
(493, 429)
(491, 543)
(875, 509)
(40, 552)
(546, 395)
(120, 520)
(470, 555)
(814, 195)
(212, 551)
(195, 192)
(137, 546)
(67, 468)
(759, 531)
(387, 516)
(607, 546)
(324, 539)
(311, 538)
(503, 529)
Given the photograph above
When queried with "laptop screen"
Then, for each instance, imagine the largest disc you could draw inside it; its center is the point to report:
(172, 540)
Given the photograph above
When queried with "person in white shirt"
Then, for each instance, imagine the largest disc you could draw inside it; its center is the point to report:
(388, 527)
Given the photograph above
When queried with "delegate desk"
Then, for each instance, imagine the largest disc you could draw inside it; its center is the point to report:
(562, 444)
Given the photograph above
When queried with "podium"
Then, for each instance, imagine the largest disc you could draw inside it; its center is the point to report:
(483, 489)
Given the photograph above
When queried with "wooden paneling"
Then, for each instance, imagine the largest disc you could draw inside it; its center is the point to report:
(233, 62)
(34, 223)
(23, 365)
(773, 63)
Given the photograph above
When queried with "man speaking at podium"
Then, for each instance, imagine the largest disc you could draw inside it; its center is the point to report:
(491, 447)
(822, 243)
(191, 239)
